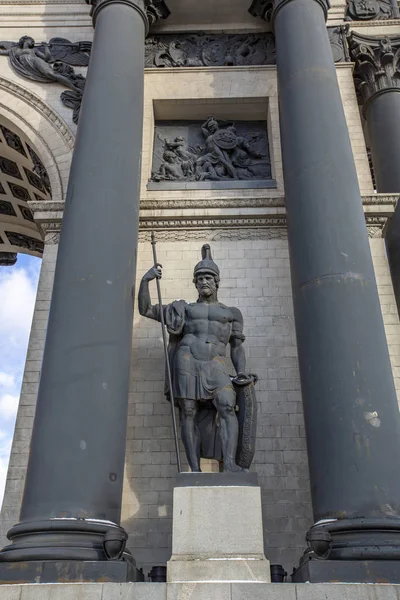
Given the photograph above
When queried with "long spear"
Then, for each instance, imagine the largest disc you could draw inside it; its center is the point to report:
(164, 335)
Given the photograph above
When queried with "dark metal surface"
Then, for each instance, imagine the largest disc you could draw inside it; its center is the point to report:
(74, 478)
(199, 380)
(68, 571)
(167, 363)
(350, 405)
(340, 571)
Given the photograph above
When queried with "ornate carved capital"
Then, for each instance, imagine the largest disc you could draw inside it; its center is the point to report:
(377, 65)
(268, 9)
(150, 10)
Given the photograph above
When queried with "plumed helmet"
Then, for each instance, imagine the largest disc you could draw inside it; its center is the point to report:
(206, 265)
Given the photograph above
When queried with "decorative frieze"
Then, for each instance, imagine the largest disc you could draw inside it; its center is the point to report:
(209, 50)
(370, 10)
(219, 50)
(377, 62)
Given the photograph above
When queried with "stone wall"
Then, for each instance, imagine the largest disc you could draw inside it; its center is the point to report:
(255, 277)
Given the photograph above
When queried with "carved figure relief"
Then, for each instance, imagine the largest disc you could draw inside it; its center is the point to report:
(368, 10)
(204, 50)
(214, 150)
(50, 62)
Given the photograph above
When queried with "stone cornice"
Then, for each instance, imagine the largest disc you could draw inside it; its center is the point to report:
(377, 60)
(206, 216)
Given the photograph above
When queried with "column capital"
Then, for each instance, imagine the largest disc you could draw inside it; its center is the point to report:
(377, 60)
(150, 10)
(268, 9)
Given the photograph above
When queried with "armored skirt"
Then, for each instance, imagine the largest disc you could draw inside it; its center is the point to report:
(194, 379)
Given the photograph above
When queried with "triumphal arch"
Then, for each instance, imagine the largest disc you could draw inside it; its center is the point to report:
(202, 427)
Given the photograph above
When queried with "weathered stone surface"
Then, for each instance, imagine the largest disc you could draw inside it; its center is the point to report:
(217, 535)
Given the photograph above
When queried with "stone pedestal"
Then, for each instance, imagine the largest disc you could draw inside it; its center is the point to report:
(217, 531)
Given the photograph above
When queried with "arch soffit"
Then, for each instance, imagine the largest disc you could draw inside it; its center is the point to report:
(45, 128)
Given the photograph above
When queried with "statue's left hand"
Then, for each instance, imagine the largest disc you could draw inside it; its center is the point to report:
(245, 378)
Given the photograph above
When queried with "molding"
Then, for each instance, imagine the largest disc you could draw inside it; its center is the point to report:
(172, 204)
(178, 227)
(42, 107)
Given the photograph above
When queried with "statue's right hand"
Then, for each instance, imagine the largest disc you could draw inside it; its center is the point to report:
(153, 273)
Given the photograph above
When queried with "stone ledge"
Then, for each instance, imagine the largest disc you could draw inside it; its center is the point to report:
(200, 591)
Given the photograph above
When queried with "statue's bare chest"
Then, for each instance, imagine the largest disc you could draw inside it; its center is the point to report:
(209, 312)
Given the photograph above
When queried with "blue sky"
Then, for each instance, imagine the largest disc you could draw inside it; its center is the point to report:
(18, 286)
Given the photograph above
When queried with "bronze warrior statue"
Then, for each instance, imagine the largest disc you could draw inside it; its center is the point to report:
(217, 411)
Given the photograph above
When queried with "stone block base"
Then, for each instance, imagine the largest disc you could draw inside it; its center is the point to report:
(348, 571)
(217, 533)
(68, 571)
(199, 591)
(223, 569)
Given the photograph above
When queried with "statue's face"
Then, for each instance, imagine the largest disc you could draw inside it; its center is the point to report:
(27, 42)
(206, 285)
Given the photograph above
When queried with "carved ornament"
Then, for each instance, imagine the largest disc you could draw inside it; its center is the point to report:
(369, 10)
(51, 62)
(209, 50)
(151, 10)
(377, 62)
(268, 9)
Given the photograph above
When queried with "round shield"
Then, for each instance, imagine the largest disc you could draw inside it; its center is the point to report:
(225, 139)
(247, 417)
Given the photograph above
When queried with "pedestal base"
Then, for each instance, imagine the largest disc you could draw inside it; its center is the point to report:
(348, 571)
(217, 532)
(68, 571)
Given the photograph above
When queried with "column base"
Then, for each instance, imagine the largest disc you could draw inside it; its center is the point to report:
(347, 571)
(67, 539)
(69, 571)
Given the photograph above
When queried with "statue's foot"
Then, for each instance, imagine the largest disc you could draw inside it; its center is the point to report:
(231, 467)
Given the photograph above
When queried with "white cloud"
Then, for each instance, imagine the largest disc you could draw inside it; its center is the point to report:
(7, 380)
(8, 406)
(17, 300)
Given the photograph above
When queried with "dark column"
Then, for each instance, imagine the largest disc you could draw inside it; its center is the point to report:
(72, 499)
(350, 405)
(378, 86)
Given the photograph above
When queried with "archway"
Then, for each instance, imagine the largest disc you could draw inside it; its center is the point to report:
(23, 178)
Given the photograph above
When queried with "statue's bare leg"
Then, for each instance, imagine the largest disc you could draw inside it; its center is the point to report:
(229, 427)
(190, 433)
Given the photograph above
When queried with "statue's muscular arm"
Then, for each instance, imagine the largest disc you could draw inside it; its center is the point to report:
(146, 308)
(236, 341)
